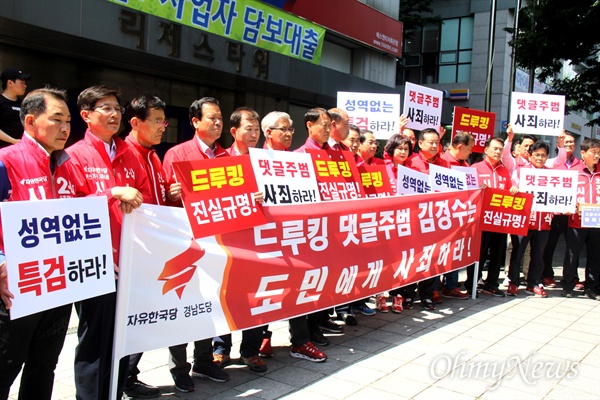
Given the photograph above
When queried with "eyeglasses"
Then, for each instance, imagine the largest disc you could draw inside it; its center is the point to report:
(106, 109)
(161, 122)
(283, 129)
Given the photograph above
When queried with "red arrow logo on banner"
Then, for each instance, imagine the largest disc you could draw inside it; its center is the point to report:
(178, 271)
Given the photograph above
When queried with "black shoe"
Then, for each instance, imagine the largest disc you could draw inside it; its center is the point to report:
(317, 338)
(592, 294)
(138, 389)
(567, 293)
(330, 326)
(348, 319)
(407, 304)
(428, 304)
(493, 291)
(184, 383)
(207, 369)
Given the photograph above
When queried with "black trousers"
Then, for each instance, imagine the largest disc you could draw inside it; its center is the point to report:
(576, 239)
(495, 244)
(250, 346)
(178, 364)
(93, 355)
(560, 224)
(537, 241)
(34, 341)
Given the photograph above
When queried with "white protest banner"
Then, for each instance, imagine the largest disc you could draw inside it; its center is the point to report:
(173, 289)
(422, 106)
(57, 252)
(444, 179)
(376, 112)
(537, 114)
(554, 190)
(471, 175)
(285, 177)
(411, 181)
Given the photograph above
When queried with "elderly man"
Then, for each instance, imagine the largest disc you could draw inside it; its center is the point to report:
(278, 131)
(318, 125)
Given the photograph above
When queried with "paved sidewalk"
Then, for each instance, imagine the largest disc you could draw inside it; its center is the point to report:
(488, 348)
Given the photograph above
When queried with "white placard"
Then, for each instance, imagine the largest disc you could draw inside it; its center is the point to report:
(412, 182)
(537, 114)
(57, 252)
(445, 179)
(377, 112)
(554, 190)
(285, 177)
(422, 106)
(471, 175)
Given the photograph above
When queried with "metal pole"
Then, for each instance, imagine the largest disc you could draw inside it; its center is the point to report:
(490, 67)
(513, 64)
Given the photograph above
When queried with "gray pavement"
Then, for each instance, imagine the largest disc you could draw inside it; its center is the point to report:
(487, 348)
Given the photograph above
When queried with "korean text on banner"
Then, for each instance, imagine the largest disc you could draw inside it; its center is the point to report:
(471, 175)
(57, 252)
(505, 213)
(422, 106)
(305, 258)
(284, 177)
(537, 114)
(218, 194)
(375, 181)
(376, 112)
(248, 21)
(337, 175)
(478, 123)
(445, 179)
(554, 190)
(412, 182)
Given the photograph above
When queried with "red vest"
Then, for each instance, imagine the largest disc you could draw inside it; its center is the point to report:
(154, 170)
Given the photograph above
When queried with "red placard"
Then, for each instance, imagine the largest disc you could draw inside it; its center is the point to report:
(478, 123)
(337, 175)
(504, 213)
(375, 181)
(218, 194)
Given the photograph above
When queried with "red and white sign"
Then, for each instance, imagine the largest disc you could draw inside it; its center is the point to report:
(305, 258)
(537, 114)
(478, 123)
(505, 213)
(422, 106)
(376, 112)
(57, 252)
(218, 194)
(375, 181)
(337, 175)
(554, 190)
(285, 177)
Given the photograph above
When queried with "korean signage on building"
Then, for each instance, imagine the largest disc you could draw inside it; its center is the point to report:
(248, 21)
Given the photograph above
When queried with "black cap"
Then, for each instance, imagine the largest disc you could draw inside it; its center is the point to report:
(12, 74)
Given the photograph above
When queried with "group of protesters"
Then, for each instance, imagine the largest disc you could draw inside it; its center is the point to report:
(136, 175)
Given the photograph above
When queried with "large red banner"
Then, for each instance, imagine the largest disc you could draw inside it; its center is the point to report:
(310, 257)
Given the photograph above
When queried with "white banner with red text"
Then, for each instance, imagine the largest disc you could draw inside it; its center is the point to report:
(174, 289)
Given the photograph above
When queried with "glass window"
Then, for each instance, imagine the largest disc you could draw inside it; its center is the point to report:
(449, 36)
(438, 53)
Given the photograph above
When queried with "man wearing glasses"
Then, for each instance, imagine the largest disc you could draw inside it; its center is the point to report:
(277, 127)
(111, 169)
